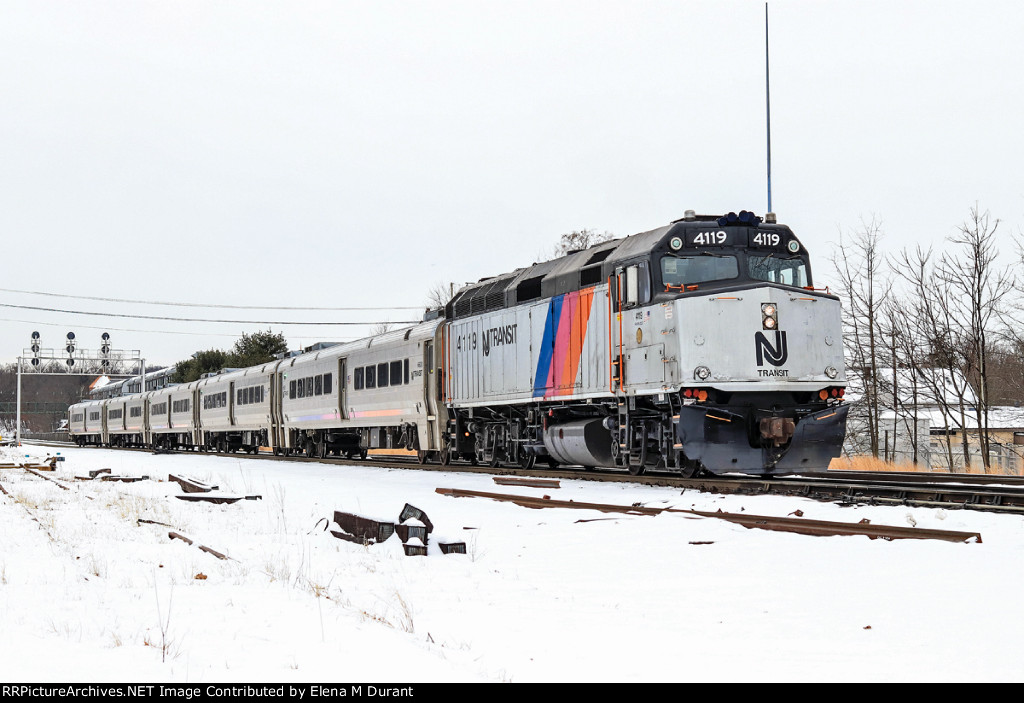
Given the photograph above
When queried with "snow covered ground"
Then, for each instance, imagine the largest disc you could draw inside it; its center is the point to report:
(87, 594)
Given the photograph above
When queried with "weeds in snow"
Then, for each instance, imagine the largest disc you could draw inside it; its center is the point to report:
(167, 645)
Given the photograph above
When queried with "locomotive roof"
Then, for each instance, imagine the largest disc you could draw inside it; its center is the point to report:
(550, 278)
(582, 268)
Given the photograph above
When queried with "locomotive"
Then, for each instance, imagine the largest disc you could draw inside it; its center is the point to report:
(700, 346)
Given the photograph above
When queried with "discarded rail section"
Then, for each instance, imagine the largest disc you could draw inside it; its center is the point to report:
(819, 528)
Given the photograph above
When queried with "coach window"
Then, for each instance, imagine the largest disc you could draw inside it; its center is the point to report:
(382, 375)
(327, 384)
(309, 387)
(357, 379)
(291, 389)
(371, 376)
(396, 373)
(405, 371)
(318, 385)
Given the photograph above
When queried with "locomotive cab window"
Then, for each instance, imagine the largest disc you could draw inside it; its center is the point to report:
(700, 268)
(790, 271)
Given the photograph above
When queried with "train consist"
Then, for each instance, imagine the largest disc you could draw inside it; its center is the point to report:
(700, 346)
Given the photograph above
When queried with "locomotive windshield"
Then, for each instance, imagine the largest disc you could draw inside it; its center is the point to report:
(700, 268)
(791, 271)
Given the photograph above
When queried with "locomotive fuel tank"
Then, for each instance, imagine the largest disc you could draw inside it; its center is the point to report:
(583, 442)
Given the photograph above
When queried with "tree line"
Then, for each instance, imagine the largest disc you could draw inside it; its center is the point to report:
(930, 329)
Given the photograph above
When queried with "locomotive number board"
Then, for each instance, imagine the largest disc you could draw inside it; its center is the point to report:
(733, 237)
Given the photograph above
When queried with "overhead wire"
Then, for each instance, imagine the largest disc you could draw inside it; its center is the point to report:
(199, 319)
(208, 305)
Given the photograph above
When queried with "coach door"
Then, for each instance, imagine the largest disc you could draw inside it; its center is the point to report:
(276, 432)
(431, 393)
(231, 404)
(342, 387)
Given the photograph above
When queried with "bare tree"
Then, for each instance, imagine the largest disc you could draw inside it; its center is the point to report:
(980, 287)
(580, 239)
(439, 294)
(957, 300)
(864, 290)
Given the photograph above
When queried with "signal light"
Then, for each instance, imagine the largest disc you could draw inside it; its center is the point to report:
(688, 393)
(702, 394)
(823, 394)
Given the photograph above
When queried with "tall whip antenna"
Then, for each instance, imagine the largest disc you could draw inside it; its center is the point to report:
(768, 106)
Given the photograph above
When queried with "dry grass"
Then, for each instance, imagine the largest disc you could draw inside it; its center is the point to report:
(870, 463)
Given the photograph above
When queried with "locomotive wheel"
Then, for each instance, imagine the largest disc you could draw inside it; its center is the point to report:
(421, 456)
(445, 456)
(527, 461)
(691, 468)
(637, 469)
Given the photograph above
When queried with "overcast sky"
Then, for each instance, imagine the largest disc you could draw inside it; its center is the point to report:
(337, 154)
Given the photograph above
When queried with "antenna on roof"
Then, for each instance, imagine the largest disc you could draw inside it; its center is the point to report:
(768, 106)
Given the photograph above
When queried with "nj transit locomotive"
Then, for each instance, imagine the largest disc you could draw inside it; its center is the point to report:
(698, 346)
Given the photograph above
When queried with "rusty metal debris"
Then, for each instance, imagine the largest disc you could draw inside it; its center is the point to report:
(819, 528)
(51, 480)
(414, 550)
(177, 535)
(413, 529)
(97, 472)
(220, 499)
(191, 485)
(412, 512)
(408, 532)
(48, 464)
(144, 521)
(531, 482)
(364, 530)
(531, 502)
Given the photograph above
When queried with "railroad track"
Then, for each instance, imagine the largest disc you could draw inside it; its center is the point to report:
(1001, 494)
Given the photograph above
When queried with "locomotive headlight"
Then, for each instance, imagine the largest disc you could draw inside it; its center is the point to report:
(793, 246)
(676, 243)
(769, 316)
(702, 373)
(831, 372)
